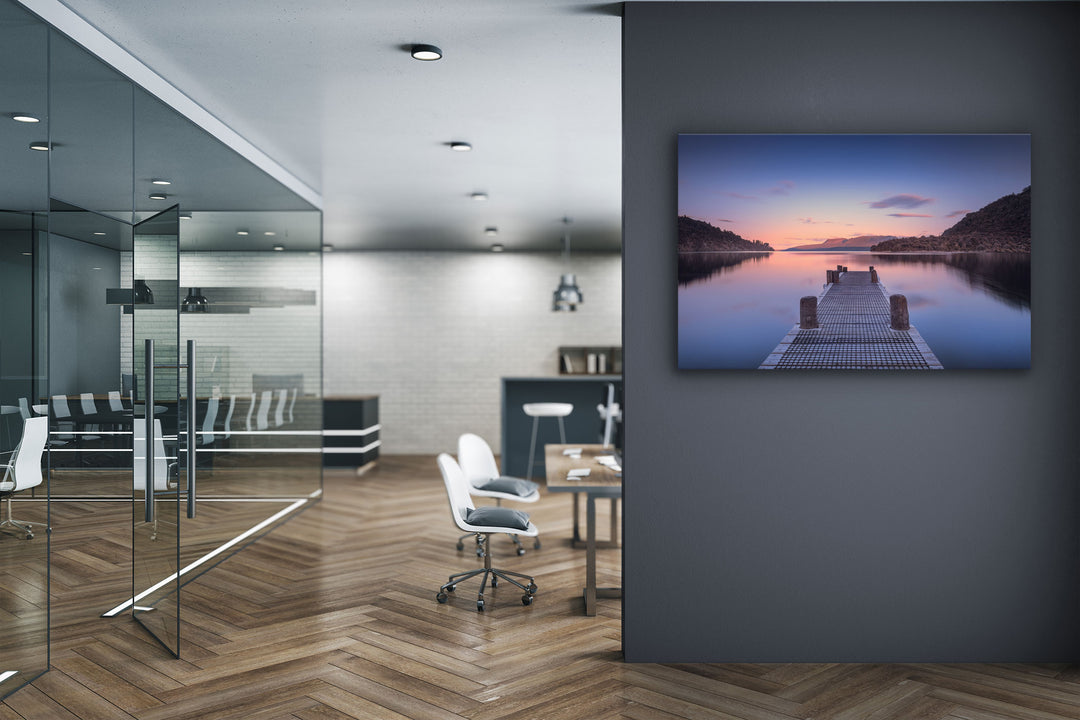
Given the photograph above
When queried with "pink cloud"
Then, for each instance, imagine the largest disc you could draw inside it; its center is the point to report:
(901, 201)
(957, 213)
(903, 215)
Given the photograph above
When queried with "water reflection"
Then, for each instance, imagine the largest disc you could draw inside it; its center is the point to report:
(1005, 275)
(973, 309)
(697, 266)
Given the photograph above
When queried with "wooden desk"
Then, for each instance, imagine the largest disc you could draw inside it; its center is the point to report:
(601, 482)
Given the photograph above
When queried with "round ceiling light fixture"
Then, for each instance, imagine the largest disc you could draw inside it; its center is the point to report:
(426, 53)
(460, 146)
(42, 145)
(160, 181)
(497, 247)
(480, 196)
(279, 248)
(491, 231)
(158, 196)
(24, 118)
(328, 248)
(241, 232)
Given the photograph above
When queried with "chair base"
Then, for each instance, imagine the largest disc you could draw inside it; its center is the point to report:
(9, 522)
(514, 538)
(488, 572)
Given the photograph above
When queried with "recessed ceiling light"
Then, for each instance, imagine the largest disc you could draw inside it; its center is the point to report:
(158, 196)
(28, 254)
(497, 247)
(479, 196)
(39, 145)
(185, 216)
(99, 233)
(241, 232)
(269, 233)
(328, 248)
(159, 181)
(95, 268)
(279, 248)
(491, 231)
(459, 146)
(23, 117)
(426, 52)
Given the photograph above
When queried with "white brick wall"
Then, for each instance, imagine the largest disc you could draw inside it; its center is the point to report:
(433, 333)
(268, 340)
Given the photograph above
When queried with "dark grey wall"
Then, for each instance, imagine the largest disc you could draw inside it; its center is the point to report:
(84, 332)
(865, 516)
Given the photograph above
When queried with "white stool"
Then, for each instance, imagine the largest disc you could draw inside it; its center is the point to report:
(539, 410)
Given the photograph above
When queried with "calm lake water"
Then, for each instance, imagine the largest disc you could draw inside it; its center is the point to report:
(973, 309)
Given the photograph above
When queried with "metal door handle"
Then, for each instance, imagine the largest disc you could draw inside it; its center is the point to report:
(149, 385)
(192, 435)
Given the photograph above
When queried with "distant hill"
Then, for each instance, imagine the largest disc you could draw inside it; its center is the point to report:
(699, 236)
(1002, 226)
(863, 242)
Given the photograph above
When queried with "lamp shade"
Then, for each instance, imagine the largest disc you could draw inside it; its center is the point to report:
(567, 295)
(195, 301)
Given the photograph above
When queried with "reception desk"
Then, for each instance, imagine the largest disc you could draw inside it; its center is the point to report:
(583, 425)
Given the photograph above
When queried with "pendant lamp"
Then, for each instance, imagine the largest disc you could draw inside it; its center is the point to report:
(568, 295)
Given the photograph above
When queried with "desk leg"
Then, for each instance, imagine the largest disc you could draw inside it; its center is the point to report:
(590, 554)
(577, 524)
(614, 522)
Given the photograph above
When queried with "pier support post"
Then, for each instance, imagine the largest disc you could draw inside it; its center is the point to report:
(808, 313)
(830, 276)
(845, 268)
(898, 314)
(873, 275)
(839, 268)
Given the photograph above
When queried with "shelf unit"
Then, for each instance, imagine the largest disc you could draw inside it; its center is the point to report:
(590, 360)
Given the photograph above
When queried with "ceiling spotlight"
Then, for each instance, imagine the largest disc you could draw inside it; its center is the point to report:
(279, 248)
(158, 196)
(491, 231)
(426, 52)
(39, 145)
(241, 232)
(459, 146)
(99, 233)
(328, 248)
(159, 181)
(185, 216)
(23, 117)
(479, 196)
(497, 247)
(28, 254)
(269, 233)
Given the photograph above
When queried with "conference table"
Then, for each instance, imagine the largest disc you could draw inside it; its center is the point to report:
(601, 482)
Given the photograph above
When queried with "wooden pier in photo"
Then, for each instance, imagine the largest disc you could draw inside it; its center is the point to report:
(854, 324)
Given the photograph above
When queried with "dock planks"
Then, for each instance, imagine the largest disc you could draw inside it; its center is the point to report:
(853, 334)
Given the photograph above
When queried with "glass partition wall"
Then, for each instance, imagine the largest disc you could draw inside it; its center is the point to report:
(130, 225)
(24, 506)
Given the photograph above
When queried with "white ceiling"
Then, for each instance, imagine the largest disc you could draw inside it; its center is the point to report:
(328, 89)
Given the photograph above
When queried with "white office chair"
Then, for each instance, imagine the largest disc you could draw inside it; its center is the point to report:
(228, 416)
(482, 521)
(24, 471)
(262, 419)
(279, 409)
(207, 436)
(292, 403)
(478, 464)
(116, 403)
(166, 475)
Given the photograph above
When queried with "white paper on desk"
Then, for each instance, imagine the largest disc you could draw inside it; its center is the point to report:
(575, 452)
(578, 472)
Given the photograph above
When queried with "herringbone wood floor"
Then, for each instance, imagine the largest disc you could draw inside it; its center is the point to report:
(333, 616)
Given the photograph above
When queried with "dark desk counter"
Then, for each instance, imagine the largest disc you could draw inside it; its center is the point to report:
(583, 425)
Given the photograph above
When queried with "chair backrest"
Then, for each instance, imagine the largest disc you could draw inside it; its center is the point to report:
(208, 422)
(24, 408)
(60, 406)
(26, 461)
(292, 403)
(228, 416)
(86, 402)
(116, 404)
(476, 459)
(251, 409)
(279, 410)
(457, 489)
(262, 420)
(161, 463)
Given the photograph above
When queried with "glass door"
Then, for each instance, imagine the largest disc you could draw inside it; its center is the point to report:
(155, 392)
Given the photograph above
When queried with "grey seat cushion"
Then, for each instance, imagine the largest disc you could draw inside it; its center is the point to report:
(510, 486)
(494, 516)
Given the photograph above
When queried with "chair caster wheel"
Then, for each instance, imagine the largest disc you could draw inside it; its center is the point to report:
(521, 551)
(531, 588)
(536, 544)
(460, 546)
(451, 588)
(526, 599)
(442, 597)
(29, 536)
(494, 581)
(479, 552)
(479, 606)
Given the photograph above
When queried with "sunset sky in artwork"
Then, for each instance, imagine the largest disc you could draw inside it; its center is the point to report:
(790, 190)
